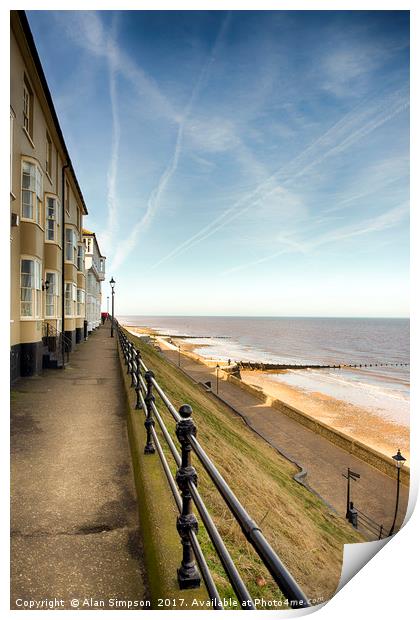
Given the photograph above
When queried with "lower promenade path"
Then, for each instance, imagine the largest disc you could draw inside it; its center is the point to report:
(374, 494)
(75, 529)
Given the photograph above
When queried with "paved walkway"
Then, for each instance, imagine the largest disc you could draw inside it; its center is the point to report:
(75, 530)
(374, 493)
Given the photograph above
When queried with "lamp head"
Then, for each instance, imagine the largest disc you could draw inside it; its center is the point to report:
(112, 282)
(399, 459)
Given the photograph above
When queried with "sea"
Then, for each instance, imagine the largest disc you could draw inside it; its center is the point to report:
(283, 340)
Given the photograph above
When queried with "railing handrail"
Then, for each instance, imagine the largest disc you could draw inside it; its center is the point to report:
(249, 527)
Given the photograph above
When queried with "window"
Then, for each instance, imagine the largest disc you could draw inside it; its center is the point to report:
(88, 244)
(80, 302)
(30, 288)
(31, 192)
(67, 197)
(80, 257)
(52, 219)
(28, 106)
(71, 246)
(51, 294)
(70, 296)
(48, 155)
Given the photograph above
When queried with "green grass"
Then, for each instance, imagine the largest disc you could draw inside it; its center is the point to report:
(307, 536)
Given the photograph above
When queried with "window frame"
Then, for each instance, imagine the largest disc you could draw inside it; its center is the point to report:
(74, 246)
(36, 191)
(35, 288)
(55, 294)
(28, 107)
(55, 219)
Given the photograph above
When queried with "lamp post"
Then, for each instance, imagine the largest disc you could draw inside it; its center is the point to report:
(217, 378)
(112, 283)
(107, 305)
(179, 356)
(399, 462)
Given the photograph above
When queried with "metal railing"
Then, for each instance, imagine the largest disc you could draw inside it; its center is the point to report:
(369, 524)
(56, 342)
(144, 383)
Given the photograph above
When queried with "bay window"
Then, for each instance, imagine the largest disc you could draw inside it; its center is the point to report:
(51, 294)
(80, 257)
(31, 191)
(52, 219)
(30, 288)
(80, 302)
(71, 245)
(70, 296)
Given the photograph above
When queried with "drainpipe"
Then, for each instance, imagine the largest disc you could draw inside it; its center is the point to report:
(63, 249)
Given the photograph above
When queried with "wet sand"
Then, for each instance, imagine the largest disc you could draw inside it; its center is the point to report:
(364, 424)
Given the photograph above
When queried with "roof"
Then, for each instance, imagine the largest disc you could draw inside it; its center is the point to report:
(23, 20)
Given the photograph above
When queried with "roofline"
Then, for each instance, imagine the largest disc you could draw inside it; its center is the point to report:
(34, 53)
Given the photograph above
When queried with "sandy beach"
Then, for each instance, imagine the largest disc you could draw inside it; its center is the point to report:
(364, 424)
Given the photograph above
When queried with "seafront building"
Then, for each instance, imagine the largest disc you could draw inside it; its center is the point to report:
(95, 274)
(48, 277)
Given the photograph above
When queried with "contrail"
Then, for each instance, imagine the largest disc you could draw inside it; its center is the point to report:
(394, 104)
(153, 203)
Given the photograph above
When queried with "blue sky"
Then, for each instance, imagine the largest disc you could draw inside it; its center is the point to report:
(251, 163)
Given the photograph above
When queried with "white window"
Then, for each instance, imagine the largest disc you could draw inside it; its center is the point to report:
(70, 296)
(31, 192)
(30, 288)
(52, 219)
(71, 246)
(80, 302)
(80, 257)
(51, 294)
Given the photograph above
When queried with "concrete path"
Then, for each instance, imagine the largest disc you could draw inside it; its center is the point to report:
(374, 493)
(75, 530)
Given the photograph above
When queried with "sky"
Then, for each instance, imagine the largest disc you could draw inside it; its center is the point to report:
(242, 162)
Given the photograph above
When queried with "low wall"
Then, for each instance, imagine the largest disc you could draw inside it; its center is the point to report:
(344, 441)
(157, 512)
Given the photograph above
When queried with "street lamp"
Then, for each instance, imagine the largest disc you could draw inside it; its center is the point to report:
(217, 378)
(399, 462)
(351, 475)
(107, 305)
(112, 283)
(179, 356)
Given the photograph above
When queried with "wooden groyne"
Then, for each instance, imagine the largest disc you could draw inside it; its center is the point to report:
(263, 366)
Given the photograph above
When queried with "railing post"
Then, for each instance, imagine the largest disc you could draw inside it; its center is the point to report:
(133, 355)
(149, 423)
(128, 357)
(138, 375)
(188, 575)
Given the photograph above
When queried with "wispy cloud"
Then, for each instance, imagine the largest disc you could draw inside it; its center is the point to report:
(127, 245)
(112, 199)
(353, 127)
(384, 221)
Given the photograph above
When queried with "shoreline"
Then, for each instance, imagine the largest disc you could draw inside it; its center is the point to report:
(361, 423)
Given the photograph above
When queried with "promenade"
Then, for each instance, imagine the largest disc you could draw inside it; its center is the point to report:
(375, 492)
(75, 529)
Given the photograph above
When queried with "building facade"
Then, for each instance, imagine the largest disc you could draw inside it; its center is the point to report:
(48, 281)
(95, 274)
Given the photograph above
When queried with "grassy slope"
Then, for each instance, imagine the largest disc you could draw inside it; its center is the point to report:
(307, 536)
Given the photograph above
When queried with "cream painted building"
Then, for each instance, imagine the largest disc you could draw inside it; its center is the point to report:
(95, 274)
(48, 282)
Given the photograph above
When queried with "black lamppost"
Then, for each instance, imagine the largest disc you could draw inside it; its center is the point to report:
(112, 283)
(179, 356)
(217, 378)
(399, 462)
